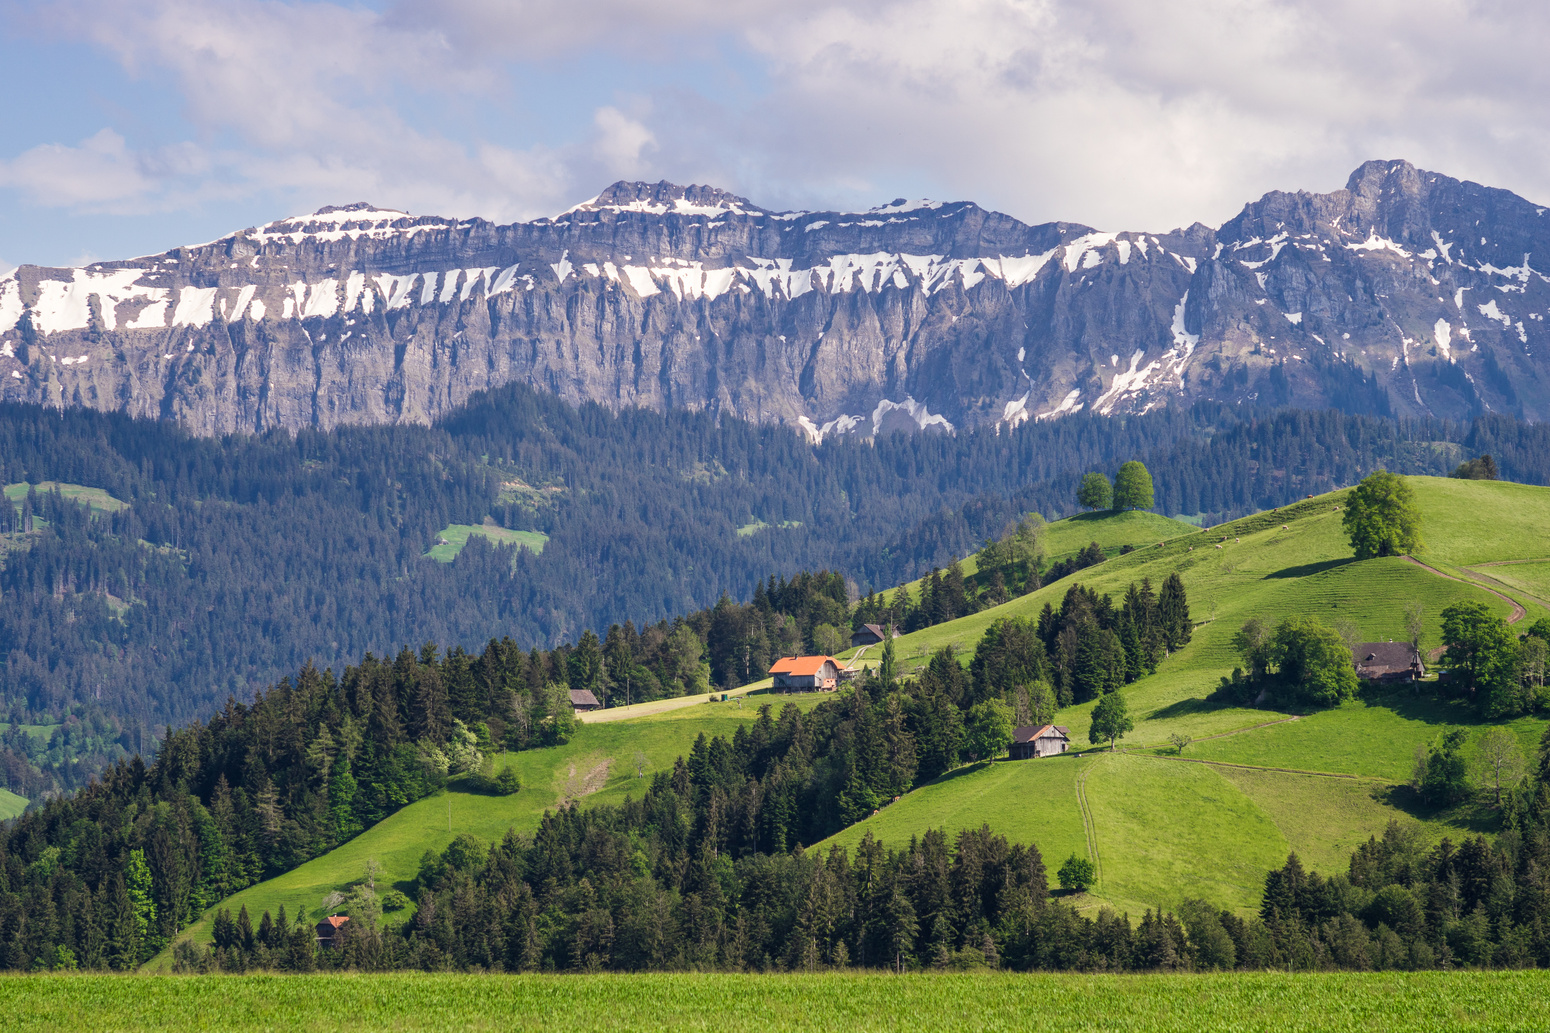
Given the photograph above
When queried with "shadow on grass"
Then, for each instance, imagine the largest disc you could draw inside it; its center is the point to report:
(1190, 707)
(1308, 569)
(1470, 818)
(958, 772)
(1425, 707)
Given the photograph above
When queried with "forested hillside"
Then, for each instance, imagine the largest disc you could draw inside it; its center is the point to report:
(234, 561)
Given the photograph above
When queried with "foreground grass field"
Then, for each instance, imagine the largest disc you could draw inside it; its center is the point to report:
(847, 1002)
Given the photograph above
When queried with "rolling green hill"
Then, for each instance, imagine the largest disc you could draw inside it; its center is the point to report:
(10, 804)
(1252, 786)
(1163, 828)
(602, 764)
(1112, 531)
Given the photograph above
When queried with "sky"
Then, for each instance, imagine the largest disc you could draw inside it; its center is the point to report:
(131, 128)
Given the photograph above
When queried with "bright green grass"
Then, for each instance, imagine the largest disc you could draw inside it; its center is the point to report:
(10, 804)
(455, 536)
(1026, 800)
(1324, 819)
(1467, 522)
(1393, 1002)
(1112, 531)
(96, 498)
(1168, 831)
(1530, 578)
(1375, 739)
(760, 525)
(604, 752)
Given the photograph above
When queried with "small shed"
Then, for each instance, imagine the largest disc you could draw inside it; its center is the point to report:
(1388, 661)
(583, 700)
(791, 673)
(871, 635)
(329, 931)
(1039, 741)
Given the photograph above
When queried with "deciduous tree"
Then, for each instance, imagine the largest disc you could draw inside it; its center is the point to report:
(1382, 518)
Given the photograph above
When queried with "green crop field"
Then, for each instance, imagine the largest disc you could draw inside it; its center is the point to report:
(602, 764)
(1394, 1002)
(10, 804)
(97, 499)
(453, 537)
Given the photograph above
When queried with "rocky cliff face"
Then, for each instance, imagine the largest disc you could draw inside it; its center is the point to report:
(1406, 291)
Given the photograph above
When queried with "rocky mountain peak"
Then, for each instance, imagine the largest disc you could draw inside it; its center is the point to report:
(1408, 292)
(666, 198)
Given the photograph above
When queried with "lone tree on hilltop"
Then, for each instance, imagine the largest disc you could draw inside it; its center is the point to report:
(1095, 492)
(1382, 518)
(1481, 469)
(1077, 873)
(1133, 487)
(1111, 720)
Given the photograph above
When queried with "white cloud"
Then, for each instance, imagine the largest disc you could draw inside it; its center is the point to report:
(1118, 113)
(621, 142)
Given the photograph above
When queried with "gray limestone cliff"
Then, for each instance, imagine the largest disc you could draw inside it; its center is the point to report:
(1406, 292)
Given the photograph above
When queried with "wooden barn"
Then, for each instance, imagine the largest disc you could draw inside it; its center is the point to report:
(871, 635)
(805, 673)
(1388, 661)
(330, 931)
(582, 700)
(1039, 741)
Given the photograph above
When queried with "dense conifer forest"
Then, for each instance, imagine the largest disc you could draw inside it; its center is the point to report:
(237, 560)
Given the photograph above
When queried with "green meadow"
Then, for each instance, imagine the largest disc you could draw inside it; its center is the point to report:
(10, 804)
(602, 764)
(1253, 784)
(1208, 824)
(452, 538)
(97, 499)
(1394, 1002)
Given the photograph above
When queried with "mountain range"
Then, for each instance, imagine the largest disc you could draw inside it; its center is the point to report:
(1407, 293)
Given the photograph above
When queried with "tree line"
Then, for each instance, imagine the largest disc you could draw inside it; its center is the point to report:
(106, 877)
(238, 559)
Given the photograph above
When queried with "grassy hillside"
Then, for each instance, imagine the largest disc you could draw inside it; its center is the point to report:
(10, 804)
(1254, 785)
(602, 764)
(1112, 532)
(453, 537)
(841, 1002)
(1164, 828)
(96, 498)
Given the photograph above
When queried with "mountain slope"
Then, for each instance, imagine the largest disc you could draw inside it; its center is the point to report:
(1406, 291)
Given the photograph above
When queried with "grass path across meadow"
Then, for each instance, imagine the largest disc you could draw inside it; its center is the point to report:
(1393, 1002)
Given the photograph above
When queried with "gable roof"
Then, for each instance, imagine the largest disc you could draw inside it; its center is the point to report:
(1028, 733)
(583, 698)
(801, 666)
(1374, 657)
(334, 921)
(876, 629)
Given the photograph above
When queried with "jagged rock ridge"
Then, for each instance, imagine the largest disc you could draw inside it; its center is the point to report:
(1406, 291)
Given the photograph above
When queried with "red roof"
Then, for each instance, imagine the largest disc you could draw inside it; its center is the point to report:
(335, 920)
(801, 666)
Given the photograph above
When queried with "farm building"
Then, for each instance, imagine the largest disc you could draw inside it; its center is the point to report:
(1039, 741)
(583, 700)
(1388, 661)
(871, 635)
(805, 672)
(330, 931)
